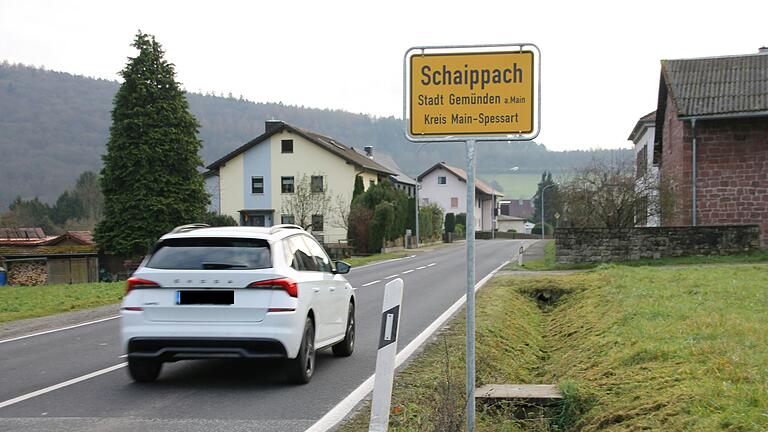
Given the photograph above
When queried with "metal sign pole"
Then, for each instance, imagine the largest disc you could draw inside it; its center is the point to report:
(470, 285)
(385, 359)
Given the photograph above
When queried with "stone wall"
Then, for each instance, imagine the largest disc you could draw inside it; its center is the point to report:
(577, 245)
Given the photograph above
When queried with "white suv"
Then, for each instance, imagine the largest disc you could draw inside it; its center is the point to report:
(237, 292)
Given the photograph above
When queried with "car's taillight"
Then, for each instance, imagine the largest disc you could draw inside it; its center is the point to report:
(286, 284)
(139, 283)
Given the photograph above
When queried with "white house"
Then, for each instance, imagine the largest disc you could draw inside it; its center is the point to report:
(254, 181)
(446, 186)
(643, 136)
(506, 223)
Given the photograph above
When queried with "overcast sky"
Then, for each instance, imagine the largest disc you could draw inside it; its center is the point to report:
(600, 60)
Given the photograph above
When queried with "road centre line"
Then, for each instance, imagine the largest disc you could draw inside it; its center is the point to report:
(343, 408)
(60, 385)
(371, 283)
(430, 265)
(420, 268)
(407, 271)
(60, 329)
(391, 276)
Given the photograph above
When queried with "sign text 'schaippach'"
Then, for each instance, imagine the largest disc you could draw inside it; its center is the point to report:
(483, 93)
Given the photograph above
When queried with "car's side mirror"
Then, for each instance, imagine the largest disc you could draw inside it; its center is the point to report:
(342, 267)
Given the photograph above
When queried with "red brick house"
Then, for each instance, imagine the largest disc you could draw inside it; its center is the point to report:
(712, 139)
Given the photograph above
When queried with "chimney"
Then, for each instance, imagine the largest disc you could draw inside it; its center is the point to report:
(368, 151)
(271, 125)
(762, 50)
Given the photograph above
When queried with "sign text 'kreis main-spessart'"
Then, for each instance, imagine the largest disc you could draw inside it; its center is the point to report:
(483, 93)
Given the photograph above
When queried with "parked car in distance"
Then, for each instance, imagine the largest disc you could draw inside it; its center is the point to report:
(237, 292)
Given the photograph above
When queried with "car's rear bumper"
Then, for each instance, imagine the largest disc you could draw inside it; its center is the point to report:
(172, 349)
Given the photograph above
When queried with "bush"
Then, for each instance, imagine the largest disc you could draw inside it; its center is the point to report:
(218, 220)
(548, 230)
(461, 219)
(459, 229)
(383, 220)
(450, 222)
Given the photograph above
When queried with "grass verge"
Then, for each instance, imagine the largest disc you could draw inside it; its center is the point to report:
(632, 348)
(19, 302)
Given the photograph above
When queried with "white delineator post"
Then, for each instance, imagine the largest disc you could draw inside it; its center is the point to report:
(385, 360)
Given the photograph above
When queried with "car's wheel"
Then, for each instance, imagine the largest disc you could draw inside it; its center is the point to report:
(347, 345)
(144, 370)
(301, 368)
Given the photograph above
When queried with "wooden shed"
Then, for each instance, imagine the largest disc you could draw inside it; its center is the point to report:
(32, 258)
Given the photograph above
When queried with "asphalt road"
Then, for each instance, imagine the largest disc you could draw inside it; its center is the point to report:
(226, 395)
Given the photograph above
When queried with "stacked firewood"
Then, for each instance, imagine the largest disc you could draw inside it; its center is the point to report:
(27, 273)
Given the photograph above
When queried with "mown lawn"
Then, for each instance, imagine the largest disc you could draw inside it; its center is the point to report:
(632, 348)
(19, 302)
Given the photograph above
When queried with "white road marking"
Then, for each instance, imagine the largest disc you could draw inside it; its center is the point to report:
(391, 276)
(61, 385)
(371, 283)
(123, 356)
(60, 329)
(380, 262)
(407, 271)
(420, 268)
(343, 408)
(430, 265)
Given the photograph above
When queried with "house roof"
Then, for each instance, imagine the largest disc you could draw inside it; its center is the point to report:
(386, 161)
(480, 185)
(645, 121)
(717, 85)
(328, 143)
(36, 237)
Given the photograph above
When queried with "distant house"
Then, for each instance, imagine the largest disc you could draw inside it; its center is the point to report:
(520, 208)
(643, 136)
(712, 139)
(33, 258)
(399, 179)
(253, 181)
(510, 224)
(446, 186)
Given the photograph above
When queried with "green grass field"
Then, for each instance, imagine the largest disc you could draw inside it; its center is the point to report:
(19, 302)
(632, 348)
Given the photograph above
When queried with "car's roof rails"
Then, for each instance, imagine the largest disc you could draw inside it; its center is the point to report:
(189, 227)
(276, 228)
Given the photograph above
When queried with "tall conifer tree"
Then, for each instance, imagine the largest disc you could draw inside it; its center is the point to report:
(150, 178)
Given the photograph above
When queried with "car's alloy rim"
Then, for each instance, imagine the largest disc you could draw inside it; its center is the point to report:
(351, 328)
(310, 349)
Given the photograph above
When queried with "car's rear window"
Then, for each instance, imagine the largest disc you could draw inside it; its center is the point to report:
(211, 254)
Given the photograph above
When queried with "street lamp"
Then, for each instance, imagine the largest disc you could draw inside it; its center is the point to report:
(542, 208)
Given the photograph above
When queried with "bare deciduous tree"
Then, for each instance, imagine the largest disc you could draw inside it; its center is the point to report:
(607, 193)
(304, 203)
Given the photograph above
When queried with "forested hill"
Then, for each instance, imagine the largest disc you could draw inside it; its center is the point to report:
(55, 125)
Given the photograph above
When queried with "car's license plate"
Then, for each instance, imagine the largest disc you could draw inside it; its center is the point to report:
(206, 297)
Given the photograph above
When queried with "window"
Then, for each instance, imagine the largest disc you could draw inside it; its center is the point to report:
(317, 222)
(287, 219)
(286, 184)
(211, 254)
(299, 254)
(441, 180)
(371, 182)
(454, 202)
(257, 185)
(321, 258)
(286, 146)
(317, 184)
